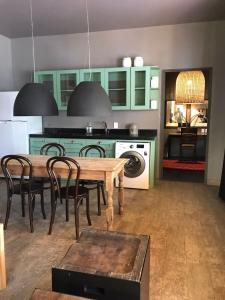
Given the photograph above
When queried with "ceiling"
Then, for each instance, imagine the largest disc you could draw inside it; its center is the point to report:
(68, 16)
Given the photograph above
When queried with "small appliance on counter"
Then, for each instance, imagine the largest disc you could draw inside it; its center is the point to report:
(133, 129)
(89, 128)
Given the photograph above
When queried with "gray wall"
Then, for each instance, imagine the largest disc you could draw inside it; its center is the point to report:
(170, 47)
(6, 77)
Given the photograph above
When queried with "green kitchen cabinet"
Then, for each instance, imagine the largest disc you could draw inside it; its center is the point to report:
(154, 87)
(135, 88)
(67, 80)
(95, 75)
(108, 145)
(36, 143)
(117, 86)
(72, 146)
(48, 79)
(140, 88)
(60, 83)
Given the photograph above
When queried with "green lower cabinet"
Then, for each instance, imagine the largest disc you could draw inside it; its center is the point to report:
(37, 143)
(72, 146)
(108, 145)
(152, 164)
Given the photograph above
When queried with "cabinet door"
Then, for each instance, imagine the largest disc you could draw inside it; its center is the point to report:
(96, 75)
(67, 80)
(48, 78)
(117, 86)
(72, 146)
(154, 87)
(36, 144)
(140, 88)
(108, 145)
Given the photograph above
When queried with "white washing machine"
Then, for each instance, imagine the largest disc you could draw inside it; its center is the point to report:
(136, 170)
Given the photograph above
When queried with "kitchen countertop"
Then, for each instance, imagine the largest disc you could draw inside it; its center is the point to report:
(112, 134)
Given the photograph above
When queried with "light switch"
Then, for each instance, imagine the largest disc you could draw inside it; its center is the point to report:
(115, 125)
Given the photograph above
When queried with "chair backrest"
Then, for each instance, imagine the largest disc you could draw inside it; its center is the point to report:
(70, 166)
(85, 151)
(47, 148)
(24, 176)
(188, 135)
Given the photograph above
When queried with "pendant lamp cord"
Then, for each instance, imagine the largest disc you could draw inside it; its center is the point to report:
(88, 39)
(32, 35)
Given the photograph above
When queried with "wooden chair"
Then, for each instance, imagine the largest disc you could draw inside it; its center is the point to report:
(48, 149)
(94, 184)
(21, 185)
(71, 191)
(188, 144)
(57, 148)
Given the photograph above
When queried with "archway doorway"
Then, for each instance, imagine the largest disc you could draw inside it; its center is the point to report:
(174, 167)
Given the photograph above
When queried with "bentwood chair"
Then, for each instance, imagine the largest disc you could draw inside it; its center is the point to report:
(188, 144)
(21, 185)
(71, 191)
(50, 149)
(94, 184)
(55, 148)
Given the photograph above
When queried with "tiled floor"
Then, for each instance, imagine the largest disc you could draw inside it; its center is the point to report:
(186, 222)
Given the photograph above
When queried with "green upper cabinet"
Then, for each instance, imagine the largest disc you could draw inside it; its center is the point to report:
(154, 87)
(48, 78)
(60, 83)
(140, 88)
(96, 75)
(135, 88)
(117, 86)
(67, 80)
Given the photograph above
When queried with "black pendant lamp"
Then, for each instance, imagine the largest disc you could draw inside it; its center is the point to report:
(34, 99)
(89, 98)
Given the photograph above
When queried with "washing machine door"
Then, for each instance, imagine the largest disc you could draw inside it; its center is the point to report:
(136, 164)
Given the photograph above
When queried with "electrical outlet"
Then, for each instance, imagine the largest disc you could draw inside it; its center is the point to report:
(115, 125)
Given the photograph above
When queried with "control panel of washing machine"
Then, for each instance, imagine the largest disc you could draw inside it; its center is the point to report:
(138, 146)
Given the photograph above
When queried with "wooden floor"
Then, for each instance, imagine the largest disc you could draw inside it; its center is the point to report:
(186, 222)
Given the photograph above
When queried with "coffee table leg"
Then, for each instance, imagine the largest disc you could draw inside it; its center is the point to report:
(109, 210)
(2, 260)
(121, 191)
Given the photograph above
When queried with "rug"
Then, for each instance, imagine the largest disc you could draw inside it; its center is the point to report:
(190, 166)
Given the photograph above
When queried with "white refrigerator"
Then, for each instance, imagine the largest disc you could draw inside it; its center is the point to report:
(14, 131)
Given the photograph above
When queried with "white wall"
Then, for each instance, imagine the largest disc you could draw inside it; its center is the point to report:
(194, 45)
(6, 78)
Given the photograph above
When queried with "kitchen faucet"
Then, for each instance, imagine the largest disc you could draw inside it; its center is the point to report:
(105, 127)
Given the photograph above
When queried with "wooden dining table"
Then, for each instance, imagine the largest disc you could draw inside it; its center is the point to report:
(92, 168)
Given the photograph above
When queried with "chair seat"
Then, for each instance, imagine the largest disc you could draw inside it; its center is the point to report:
(188, 145)
(82, 191)
(90, 182)
(41, 179)
(35, 186)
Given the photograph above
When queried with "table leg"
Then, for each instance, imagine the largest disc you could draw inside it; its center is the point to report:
(2, 260)
(121, 191)
(109, 210)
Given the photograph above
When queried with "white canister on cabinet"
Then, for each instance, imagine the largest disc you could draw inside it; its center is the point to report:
(127, 62)
(138, 61)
